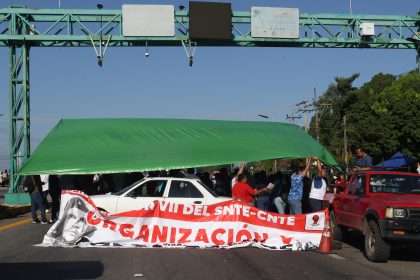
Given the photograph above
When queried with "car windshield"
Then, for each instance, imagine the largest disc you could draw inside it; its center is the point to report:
(208, 189)
(394, 183)
(120, 192)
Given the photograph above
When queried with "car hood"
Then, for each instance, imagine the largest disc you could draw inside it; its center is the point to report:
(101, 196)
(221, 198)
(400, 200)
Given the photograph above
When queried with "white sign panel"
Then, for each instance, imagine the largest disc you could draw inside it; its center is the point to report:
(148, 20)
(269, 22)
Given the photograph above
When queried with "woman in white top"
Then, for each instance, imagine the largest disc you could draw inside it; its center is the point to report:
(318, 189)
(45, 188)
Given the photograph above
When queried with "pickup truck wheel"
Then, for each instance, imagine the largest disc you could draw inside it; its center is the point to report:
(336, 230)
(376, 249)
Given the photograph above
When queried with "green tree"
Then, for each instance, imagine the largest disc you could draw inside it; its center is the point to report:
(396, 108)
(381, 116)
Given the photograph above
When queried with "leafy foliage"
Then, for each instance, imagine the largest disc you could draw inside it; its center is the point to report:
(381, 116)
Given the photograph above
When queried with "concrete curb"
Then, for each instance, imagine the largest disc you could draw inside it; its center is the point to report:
(7, 211)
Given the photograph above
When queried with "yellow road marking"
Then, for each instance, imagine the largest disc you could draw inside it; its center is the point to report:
(16, 224)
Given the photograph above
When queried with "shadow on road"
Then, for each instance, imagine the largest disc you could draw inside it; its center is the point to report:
(52, 270)
(7, 212)
(407, 252)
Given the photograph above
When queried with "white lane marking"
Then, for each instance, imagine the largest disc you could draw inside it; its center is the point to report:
(334, 256)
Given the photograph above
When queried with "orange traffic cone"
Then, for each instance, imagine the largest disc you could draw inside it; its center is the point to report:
(325, 244)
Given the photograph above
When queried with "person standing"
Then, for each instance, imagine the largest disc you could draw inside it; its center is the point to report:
(45, 188)
(33, 184)
(55, 193)
(280, 205)
(191, 174)
(296, 188)
(318, 188)
(262, 201)
(363, 161)
(6, 178)
(69, 182)
(279, 191)
(243, 192)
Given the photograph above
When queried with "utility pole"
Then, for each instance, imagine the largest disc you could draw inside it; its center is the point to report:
(316, 115)
(306, 108)
(275, 160)
(293, 116)
(346, 156)
(319, 109)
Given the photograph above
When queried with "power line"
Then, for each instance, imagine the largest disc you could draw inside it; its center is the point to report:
(293, 117)
(305, 109)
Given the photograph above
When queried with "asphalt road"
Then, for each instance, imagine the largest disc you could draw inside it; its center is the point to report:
(19, 259)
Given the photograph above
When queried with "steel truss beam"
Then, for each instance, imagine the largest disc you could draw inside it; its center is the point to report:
(21, 29)
(73, 28)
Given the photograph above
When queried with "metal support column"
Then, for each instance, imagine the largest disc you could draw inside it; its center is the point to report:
(19, 114)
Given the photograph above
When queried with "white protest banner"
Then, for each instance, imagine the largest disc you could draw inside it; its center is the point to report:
(164, 224)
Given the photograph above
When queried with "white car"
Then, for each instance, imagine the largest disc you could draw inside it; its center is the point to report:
(144, 192)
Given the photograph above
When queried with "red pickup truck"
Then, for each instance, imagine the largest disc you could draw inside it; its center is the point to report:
(383, 205)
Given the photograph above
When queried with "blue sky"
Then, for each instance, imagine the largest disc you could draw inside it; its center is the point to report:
(225, 82)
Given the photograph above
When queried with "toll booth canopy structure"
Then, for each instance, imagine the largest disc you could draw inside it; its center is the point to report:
(203, 24)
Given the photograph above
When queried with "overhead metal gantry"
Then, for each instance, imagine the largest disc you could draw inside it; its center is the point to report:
(22, 29)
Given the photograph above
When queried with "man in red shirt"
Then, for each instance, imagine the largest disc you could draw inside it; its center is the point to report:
(243, 192)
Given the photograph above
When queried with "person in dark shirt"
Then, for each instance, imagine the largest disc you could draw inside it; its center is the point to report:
(363, 161)
(262, 201)
(279, 193)
(33, 184)
(55, 193)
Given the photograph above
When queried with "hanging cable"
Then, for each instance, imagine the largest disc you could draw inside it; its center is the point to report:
(100, 52)
(146, 52)
(189, 51)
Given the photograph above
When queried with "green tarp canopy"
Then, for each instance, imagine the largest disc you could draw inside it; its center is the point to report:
(90, 146)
